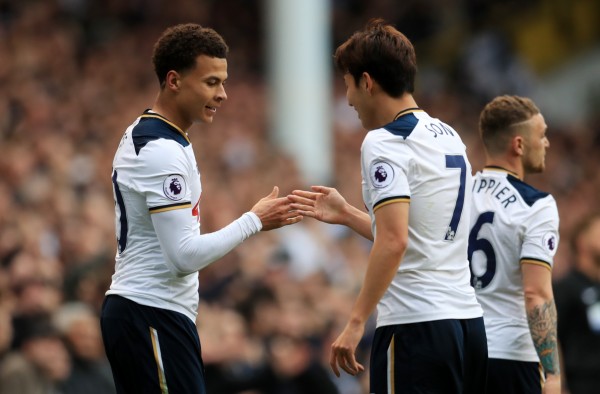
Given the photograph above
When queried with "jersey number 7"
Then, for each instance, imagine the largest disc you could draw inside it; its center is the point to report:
(456, 161)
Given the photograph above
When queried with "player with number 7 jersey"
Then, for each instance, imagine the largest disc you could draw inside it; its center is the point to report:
(416, 186)
(422, 160)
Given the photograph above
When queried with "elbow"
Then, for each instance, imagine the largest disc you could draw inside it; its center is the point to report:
(534, 295)
(178, 263)
(531, 294)
(400, 248)
(397, 245)
(394, 247)
(177, 267)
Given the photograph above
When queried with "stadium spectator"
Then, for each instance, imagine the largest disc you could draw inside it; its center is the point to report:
(578, 305)
(39, 362)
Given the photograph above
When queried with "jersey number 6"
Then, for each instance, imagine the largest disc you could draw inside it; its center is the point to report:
(475, 244)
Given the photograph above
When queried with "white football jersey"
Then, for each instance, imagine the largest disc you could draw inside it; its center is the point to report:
(510, 221)
(421, 160)
(154, 170)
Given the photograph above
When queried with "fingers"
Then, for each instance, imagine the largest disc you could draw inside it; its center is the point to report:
(333, 364)
(346, 360)
(303, 200)
(293, 220)
(304, 206)
(322, 189)
(347, 364)
(304, 194)
(303, 210)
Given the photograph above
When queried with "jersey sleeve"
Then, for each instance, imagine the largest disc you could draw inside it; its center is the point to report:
(187, 251)
(385, 170)
(541, 237)
(164, 177)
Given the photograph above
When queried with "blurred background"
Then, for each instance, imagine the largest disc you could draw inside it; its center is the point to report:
(75, 73)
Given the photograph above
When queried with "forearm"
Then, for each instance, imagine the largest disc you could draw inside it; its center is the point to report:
(381, 270)
(541, 316)
(187, 251)
(358, 221)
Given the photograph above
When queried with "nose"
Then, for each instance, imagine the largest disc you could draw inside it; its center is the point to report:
(221, 94)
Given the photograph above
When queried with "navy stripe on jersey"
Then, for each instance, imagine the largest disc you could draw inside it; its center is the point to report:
(170, 207)
(403, 126)
(389, 200)
(529, 193)
(123, 216)
(151, 128)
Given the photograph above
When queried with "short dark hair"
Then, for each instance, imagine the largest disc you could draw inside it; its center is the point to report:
(383, 52)
(498, 117)
(180, 45)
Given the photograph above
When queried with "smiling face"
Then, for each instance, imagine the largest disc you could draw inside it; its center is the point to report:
(356, 96)
(202, 89)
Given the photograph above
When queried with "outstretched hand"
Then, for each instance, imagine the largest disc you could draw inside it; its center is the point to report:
(323, 203)
(275, 212)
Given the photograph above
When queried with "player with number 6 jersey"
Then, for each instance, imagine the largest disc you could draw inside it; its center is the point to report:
(512, 242)
(512, 223)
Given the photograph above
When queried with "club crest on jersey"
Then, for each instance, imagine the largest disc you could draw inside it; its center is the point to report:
(550, 242)
(382, 174)
(174, 187)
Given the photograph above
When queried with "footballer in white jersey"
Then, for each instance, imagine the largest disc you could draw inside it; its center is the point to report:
(511, 221)
(154, 170)
(421, 160)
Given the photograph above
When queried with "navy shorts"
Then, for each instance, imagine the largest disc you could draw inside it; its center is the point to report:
(442, 356)
(515, 377)
(151, 350)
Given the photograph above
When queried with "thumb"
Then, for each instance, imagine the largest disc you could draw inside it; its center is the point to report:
(274, 192)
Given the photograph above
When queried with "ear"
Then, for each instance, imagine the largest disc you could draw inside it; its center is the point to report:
(366, 82)
(173, 80)
(518, 145)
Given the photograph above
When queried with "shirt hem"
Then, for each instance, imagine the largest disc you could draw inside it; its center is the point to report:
(162, 304)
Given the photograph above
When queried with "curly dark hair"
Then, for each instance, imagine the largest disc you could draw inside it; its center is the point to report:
(383, 52)
(180, 45)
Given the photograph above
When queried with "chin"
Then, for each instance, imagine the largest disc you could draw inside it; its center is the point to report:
(204, 119)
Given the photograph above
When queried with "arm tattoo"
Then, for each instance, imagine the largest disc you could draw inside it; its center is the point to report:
(542, 324)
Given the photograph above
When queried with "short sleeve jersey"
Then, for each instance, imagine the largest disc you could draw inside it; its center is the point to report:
(511, 221)
(154, 170)
(420, 160)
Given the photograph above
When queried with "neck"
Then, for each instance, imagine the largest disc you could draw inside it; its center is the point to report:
(391, 107)
(508, 164)
(167, 108)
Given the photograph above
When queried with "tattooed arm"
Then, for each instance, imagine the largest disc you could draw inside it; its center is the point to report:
(541, 315)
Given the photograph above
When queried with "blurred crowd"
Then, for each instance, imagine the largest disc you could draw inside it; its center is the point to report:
(75, 73)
